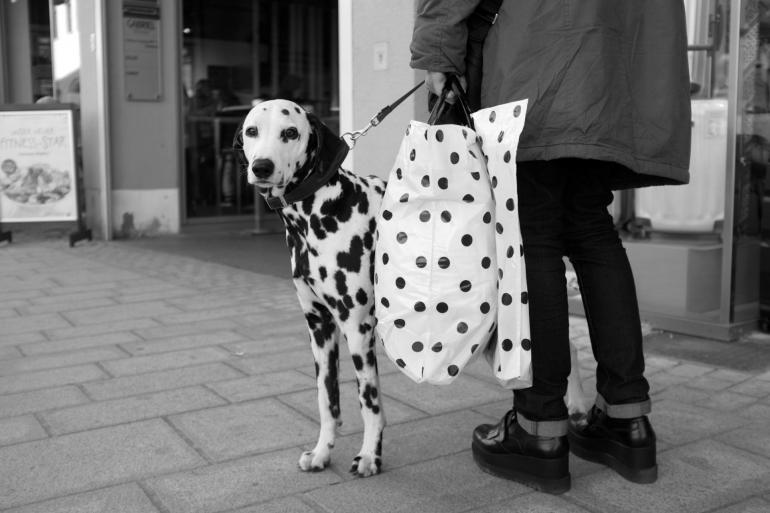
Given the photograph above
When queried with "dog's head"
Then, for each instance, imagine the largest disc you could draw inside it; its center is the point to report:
(277, 139)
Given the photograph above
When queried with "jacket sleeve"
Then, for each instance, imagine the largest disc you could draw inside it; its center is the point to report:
(440, 35)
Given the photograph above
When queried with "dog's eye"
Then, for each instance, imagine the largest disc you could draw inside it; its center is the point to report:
(291, 133)
(251, 131)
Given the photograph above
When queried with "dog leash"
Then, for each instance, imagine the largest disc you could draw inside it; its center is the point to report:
(377, 119)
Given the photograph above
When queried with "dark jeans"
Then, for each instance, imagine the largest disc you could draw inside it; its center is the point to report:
(563, 211)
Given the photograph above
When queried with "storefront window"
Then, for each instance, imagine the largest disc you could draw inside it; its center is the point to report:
(237, 53)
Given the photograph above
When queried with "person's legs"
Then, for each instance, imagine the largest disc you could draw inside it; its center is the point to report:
(616, 431)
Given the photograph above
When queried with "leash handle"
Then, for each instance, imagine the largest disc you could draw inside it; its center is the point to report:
(377, 118)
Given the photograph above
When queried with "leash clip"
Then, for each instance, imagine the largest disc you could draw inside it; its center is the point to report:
(357, 134)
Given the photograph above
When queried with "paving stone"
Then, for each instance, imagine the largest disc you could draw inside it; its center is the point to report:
(117, 313)
(178, 330)
(682, 393)
(692, 479)
(8, 352)
(710, 383)
(8, 313)
(246, 428)
(663, 380)
(690, 370)
(100, 329)
(731, 375)
(50, 378)
(70, 344)
(161, 380)
(757, 411)
(94, 274)
(63, 359)
(237, 483)
(27, 323)
(298, 359)
(20, 429)
(39, 400)
(440, 399)
(162, 361)
(120, 411)
(753, 387)
(534, 503)
(182, 342)
(285, 505)
(679, 423)
(753, 505)
(726, 401)
(35, 471)
(21, 338)
(443, 485)
(264, 385)
(165, 293)
(307, 403)
(59, 295)
(277, 344)
(128, 498)
(231, 311)
(754, 439)
(66, 306)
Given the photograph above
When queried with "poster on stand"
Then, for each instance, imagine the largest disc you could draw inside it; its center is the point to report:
(37, 166)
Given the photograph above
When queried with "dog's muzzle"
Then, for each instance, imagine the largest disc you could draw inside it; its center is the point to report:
(262, 168)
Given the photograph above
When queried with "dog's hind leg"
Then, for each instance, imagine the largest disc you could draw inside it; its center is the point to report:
(324, 339)
(361, 344)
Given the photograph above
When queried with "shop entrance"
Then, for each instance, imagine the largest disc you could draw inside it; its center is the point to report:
(237, 53)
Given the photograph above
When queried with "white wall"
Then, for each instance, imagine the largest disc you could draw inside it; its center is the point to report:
(367, 24)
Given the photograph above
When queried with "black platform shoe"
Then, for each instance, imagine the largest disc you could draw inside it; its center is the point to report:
(506, 450)
(625, 445)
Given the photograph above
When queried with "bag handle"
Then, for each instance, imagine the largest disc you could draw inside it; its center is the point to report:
(460, 105)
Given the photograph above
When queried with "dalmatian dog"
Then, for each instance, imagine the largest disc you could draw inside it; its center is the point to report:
(330, 219)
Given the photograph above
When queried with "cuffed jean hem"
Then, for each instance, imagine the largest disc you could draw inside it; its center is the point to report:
(546, 428)
(623, 411)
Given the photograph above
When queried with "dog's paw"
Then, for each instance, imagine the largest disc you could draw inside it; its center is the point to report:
(365, 465)
(314, 461)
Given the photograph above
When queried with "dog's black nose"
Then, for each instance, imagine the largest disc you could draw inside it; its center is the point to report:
(263, 168)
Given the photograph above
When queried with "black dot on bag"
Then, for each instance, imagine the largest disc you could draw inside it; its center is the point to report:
(500, 136)
(404, 197)
(439, 135)
(387, 215)
(499, 227)
(442, 307)
(400, 283)
(509, 253)
(399, 323)
(437, 347)
(385, 258)
(400, 363)
(425, 182)
(399, 173)
(401, 237)
(517, 111)
(385, 302)
(485, 307)
(446, 216)
(462, 327)
(443, 183)
(499, 274)
(521, 249)
(507, 157)
(453, 370)
(487, 217)
(421, 262)
(492, 116)
(419, 306)
(424, 216)
(467, 240)
(465, 133)
(506, 299)
(474, 347)
(472, 154)
(443, 262)
(494, 182)
(468, 198)
(417, 347)
(413, 154)
(465, 285)
(509, 204)
(526, 344)
(524, 297)
(454, 157)
(486, 262)
(476, 176)
(507, 345)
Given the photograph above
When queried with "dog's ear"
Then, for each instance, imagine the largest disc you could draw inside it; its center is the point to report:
(315, 135)
(238, 147)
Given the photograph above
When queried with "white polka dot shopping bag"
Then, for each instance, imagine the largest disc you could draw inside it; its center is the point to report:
(449, 270)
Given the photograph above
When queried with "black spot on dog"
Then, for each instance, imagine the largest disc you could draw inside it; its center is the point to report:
(362, 297)
(351, 260)
(330, 224)
(358, 362)
(285, 112)
(322, 271)
(331, 381)
(370, 398)
(342, 284)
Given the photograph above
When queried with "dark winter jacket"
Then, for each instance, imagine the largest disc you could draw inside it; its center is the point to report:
(605, 79)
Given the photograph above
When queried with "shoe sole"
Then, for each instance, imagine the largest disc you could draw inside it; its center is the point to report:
(636, 464)
(549, 476)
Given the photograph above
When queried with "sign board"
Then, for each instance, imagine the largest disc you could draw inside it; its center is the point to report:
(38, 177)
(141, 51)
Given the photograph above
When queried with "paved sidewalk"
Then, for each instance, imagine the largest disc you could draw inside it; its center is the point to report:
(135, 381)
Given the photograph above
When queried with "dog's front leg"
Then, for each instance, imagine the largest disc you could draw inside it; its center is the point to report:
(369, 461)
(324, 339)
